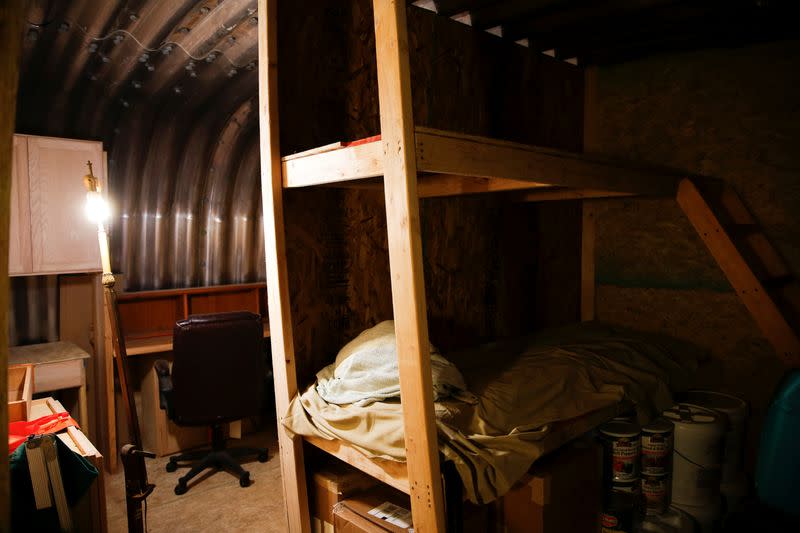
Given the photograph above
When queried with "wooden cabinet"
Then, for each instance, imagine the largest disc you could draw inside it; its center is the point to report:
(49, 231)
(19, 227)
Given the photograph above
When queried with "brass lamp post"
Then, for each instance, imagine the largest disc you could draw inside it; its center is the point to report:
(137, 488)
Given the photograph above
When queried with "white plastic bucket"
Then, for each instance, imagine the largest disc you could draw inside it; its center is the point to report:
(697, 457)
(736, 411)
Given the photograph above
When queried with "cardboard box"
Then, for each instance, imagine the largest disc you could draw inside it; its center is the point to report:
(331, 485)
(562, 492)
(379, 510)
(20, 392)
(348, 521)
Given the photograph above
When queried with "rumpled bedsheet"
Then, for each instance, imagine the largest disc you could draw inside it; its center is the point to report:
(533, 394)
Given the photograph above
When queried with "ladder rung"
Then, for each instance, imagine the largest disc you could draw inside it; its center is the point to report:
(742, 230)
(778, 282)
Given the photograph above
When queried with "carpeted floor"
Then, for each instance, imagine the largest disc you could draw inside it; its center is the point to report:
(215, 501)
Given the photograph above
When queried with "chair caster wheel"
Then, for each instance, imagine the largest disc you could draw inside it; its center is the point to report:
(244, 481)
(172, 466)
(181, 488)
(263, 457)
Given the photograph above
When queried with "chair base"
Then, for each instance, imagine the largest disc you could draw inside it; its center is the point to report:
(219, 458)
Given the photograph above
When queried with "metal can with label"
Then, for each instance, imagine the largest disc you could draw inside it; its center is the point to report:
(620, 451)
(655, 493)
(619, 509)
(657, 438)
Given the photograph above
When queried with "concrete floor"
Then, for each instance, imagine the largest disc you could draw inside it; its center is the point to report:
(215, 501)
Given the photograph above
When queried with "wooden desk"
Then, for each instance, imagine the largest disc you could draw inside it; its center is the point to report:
(56, 366)
(90, 512)
(161, 344)
(148, 318)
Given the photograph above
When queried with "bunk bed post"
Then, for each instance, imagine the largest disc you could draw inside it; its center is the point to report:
(280, 320)
(587, 261)
(405, 261)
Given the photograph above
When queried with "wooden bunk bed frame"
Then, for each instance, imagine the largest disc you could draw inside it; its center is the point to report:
(419, 162)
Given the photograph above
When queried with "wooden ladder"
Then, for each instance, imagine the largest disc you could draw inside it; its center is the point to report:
(755, 270)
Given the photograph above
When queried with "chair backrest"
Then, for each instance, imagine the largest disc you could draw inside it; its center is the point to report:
(217, 372)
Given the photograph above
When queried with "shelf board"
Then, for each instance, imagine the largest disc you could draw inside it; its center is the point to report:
(390, 472)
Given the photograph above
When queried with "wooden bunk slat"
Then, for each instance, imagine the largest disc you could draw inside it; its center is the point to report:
(405, 263)
(347, 163)
(455, 163)
(318, 150)
(445, 152)
(390, 472)
(432, 185)
(283, 357)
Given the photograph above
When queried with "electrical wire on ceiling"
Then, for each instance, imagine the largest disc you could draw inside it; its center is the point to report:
(215, 52)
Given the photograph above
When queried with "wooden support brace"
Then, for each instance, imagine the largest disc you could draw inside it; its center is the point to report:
(280, 320)
(762, 307)
(405, 261)
(587, 262)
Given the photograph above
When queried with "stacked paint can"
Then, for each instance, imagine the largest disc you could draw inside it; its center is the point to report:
(621, 463)
(656, 445)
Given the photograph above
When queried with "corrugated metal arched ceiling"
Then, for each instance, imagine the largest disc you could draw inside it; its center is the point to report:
(170, 86)
(171, 89)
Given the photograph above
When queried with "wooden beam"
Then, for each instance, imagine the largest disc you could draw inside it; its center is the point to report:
(762, 307)
(555, 18)
(448, 8)
(11, 20)
(497, 13)
(451, 153)
(405, 262)
(280, 320)
(390, 472)
(431, 185)
(548, 194)
(587, 262)
(333, 166)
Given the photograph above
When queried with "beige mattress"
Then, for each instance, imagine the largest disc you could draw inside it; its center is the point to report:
(534, 394)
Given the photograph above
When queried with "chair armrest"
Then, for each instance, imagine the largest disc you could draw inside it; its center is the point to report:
(164, 386)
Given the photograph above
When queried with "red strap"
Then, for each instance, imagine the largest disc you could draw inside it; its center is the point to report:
(364, 140)
(19, 431)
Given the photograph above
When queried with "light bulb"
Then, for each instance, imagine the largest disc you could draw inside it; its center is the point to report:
(97, 209)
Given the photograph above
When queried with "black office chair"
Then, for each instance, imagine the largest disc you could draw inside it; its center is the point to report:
(217, 377)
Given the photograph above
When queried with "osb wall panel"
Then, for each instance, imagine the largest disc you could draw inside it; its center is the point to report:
(731, 114)
(315, 262)
(479, 261)
(467, 81)
(491, 269)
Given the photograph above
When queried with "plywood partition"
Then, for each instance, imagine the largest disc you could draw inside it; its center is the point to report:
(405, 262)
(283, 357)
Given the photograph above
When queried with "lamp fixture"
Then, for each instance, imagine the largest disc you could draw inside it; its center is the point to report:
(137, 486)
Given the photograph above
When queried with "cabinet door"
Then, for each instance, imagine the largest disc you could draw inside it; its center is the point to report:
(19, 232)
(63, 239)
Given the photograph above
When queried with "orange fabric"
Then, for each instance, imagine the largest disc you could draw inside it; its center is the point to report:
(19, 431)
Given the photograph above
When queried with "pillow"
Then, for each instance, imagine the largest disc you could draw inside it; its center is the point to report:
(366, 371)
